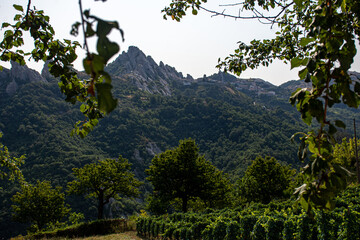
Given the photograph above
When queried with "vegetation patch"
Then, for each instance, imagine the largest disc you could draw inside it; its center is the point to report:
(259, 221)
(100, 227)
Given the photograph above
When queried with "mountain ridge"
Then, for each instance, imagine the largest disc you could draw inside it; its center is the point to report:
(230, 121)
(143, 72)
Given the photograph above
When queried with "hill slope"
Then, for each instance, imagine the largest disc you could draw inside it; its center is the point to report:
(233, 121)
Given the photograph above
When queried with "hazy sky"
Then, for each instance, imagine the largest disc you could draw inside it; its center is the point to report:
(192, 46)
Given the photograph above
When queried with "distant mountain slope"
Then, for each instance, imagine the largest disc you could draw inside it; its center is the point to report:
(233, 121)
(157, 107)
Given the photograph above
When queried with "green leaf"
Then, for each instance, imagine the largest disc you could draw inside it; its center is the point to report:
(106, 49)
(105, 99)
(5, 24)
(75, 29)
(340, 124)
(93, 64)
(89, 31)
(18, 7)
(87, 13)
(194, 12)
(106, 77)
(87, 65)
(17, 17)
(83, 108)
(303, 73)
(332, 129)
(305, 41)
(311, 66)
(296, 62)
(104, 28)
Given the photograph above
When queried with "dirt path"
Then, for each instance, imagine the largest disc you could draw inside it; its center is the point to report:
(121, 236)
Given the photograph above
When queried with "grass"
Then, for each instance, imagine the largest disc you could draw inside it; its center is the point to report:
(84, 229)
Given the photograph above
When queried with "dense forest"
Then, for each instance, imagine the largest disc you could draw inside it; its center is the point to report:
(232, 125)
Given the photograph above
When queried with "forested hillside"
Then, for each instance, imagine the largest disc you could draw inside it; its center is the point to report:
(232, 120)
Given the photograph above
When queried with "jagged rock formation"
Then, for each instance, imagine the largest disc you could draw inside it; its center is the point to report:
(17, 76)
(144, 72)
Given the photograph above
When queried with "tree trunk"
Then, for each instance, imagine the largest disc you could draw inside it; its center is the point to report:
(101, 205)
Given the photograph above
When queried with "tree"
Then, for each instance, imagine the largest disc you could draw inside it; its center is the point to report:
(181, 173)
(94, 93)
(10, 166)
(265, 180)
(109, 178)
(318, 36)
(39, 204)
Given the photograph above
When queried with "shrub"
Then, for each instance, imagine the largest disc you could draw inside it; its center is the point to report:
(99, 227)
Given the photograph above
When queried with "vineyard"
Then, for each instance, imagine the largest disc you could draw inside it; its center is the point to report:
(259, 222)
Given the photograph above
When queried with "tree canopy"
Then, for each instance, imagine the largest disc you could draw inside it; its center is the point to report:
(318, 36)
(265, 180)
(39, 204)
(109, 178)
(181, 173)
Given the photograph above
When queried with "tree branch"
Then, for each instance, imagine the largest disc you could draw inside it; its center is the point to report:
(27, 10)
(257, 14)
(83, 27)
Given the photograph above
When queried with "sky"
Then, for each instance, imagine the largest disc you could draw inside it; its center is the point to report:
(193, 46)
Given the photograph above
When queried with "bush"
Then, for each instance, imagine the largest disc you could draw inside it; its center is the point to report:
(99, 227)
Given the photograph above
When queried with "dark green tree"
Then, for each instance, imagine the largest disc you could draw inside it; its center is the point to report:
(318, 36)
(181, 173)
(265, 180)
(39, 204)
(216, 190)
(109, 178)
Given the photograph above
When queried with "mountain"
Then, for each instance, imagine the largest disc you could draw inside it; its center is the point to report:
(144, 73)
(232, 120)
(16, 76)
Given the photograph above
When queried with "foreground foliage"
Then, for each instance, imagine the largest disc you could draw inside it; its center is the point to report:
(39, 204)
(270, 222)
(319, 37)
(95, 92)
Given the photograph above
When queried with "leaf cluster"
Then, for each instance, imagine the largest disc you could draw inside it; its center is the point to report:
(94, 93)
(318, 36)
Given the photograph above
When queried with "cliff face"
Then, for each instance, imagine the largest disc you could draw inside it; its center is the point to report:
(11, 80)
(144, 72)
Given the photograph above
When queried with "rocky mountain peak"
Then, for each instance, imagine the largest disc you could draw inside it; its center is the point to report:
(19, 75)
(145, 73)
(23, 74)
